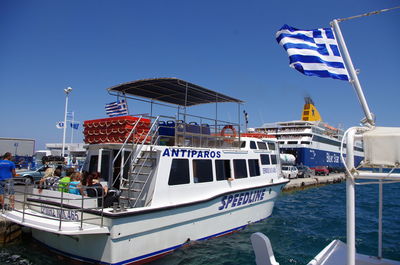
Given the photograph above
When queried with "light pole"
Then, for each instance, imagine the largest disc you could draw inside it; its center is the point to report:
(67, 91)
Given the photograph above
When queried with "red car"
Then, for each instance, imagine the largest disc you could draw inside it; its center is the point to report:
(321, 170)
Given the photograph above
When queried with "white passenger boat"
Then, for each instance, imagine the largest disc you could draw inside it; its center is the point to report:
(176, 181)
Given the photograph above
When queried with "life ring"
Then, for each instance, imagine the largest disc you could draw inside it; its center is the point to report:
(232, 136)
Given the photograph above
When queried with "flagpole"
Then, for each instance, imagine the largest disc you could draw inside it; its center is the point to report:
(72, 127)
(368, 121)
(67, 91)
(369, 117)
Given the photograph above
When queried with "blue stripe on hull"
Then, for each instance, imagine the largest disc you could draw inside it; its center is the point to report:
(314, 157)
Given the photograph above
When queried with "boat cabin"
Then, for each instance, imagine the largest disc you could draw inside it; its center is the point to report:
(132, 153)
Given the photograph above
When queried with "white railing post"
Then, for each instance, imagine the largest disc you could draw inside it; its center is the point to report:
(380, 216)
(350, 198)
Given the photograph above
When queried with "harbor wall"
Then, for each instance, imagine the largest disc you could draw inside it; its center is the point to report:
(300, 183)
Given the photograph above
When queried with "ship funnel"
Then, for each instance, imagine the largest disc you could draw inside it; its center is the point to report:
(310, 112)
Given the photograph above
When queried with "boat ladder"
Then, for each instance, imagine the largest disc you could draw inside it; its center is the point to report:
(135, 186)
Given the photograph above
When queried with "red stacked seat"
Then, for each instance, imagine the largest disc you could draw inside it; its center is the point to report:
(116, 130)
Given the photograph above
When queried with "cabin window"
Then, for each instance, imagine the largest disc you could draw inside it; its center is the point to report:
(292, 142)
(265, 160)
(254, 167)
(243, 144)
(272, 146)
(240, 168)
(117, 167)
(253, 145)
(105, 165)
(262, 145)
(282, 142)
(94, 160)
(202, 170)
(179, 173)
(273, 160)
(223, 169)
(305, 142)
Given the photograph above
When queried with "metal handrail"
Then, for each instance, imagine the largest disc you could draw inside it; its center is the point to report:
(27, 204)
(139, 148)
(140, 193)
(126, 140)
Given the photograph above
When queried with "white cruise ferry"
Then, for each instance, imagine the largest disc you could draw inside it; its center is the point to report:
(312, 141)
(175, 180)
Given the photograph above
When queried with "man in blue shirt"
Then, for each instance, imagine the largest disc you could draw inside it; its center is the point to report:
(7, 171)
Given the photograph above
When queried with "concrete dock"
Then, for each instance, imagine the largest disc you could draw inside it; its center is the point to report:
(300, 183)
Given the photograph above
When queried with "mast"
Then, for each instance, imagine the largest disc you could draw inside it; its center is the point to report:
(369, 117)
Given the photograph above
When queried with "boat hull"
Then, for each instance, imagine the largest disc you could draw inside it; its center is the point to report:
(142, 237)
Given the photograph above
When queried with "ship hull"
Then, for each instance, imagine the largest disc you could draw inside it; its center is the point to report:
(140, 238)
(312, 157)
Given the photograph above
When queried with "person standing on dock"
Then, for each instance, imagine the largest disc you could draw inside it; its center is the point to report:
(7, 171)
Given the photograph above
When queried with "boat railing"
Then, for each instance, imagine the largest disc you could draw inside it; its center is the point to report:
(381, 149)
(137, 143)
(55, 204)
(127, 139)
(198, 132)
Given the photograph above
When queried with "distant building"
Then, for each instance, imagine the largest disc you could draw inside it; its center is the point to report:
(74, 149)
(21, 149)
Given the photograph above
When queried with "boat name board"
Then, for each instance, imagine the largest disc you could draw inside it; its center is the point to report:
(267, 170)
(242, 198)
(191, 153)
(70, 215)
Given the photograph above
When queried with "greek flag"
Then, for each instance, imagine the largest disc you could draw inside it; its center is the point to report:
(117, 108)
(313, 52)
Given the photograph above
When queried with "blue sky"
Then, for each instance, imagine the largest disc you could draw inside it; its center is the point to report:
(228, 46)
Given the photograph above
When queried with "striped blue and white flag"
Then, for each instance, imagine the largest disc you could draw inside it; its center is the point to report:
(117, 108)
(313, 52)
(60, 125)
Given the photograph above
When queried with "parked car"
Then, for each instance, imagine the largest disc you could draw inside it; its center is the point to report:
(31, 176)
(336, 169)
(321, 170)
(304, 172)
(289, 172)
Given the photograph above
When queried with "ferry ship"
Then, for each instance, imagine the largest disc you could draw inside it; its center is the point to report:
(175, 179)
(312, 141)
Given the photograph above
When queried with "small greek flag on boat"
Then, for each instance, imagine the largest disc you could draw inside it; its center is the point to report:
(313, 52)
(117, 108)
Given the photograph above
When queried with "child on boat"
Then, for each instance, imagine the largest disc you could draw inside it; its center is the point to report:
(75, 186)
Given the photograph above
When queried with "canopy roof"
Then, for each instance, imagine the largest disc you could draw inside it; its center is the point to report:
(173, 91)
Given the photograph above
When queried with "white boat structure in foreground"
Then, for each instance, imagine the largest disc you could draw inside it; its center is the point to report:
(381, 150)
(179, 179)
(381, 145)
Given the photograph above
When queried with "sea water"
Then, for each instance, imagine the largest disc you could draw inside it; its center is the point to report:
(302, 224)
